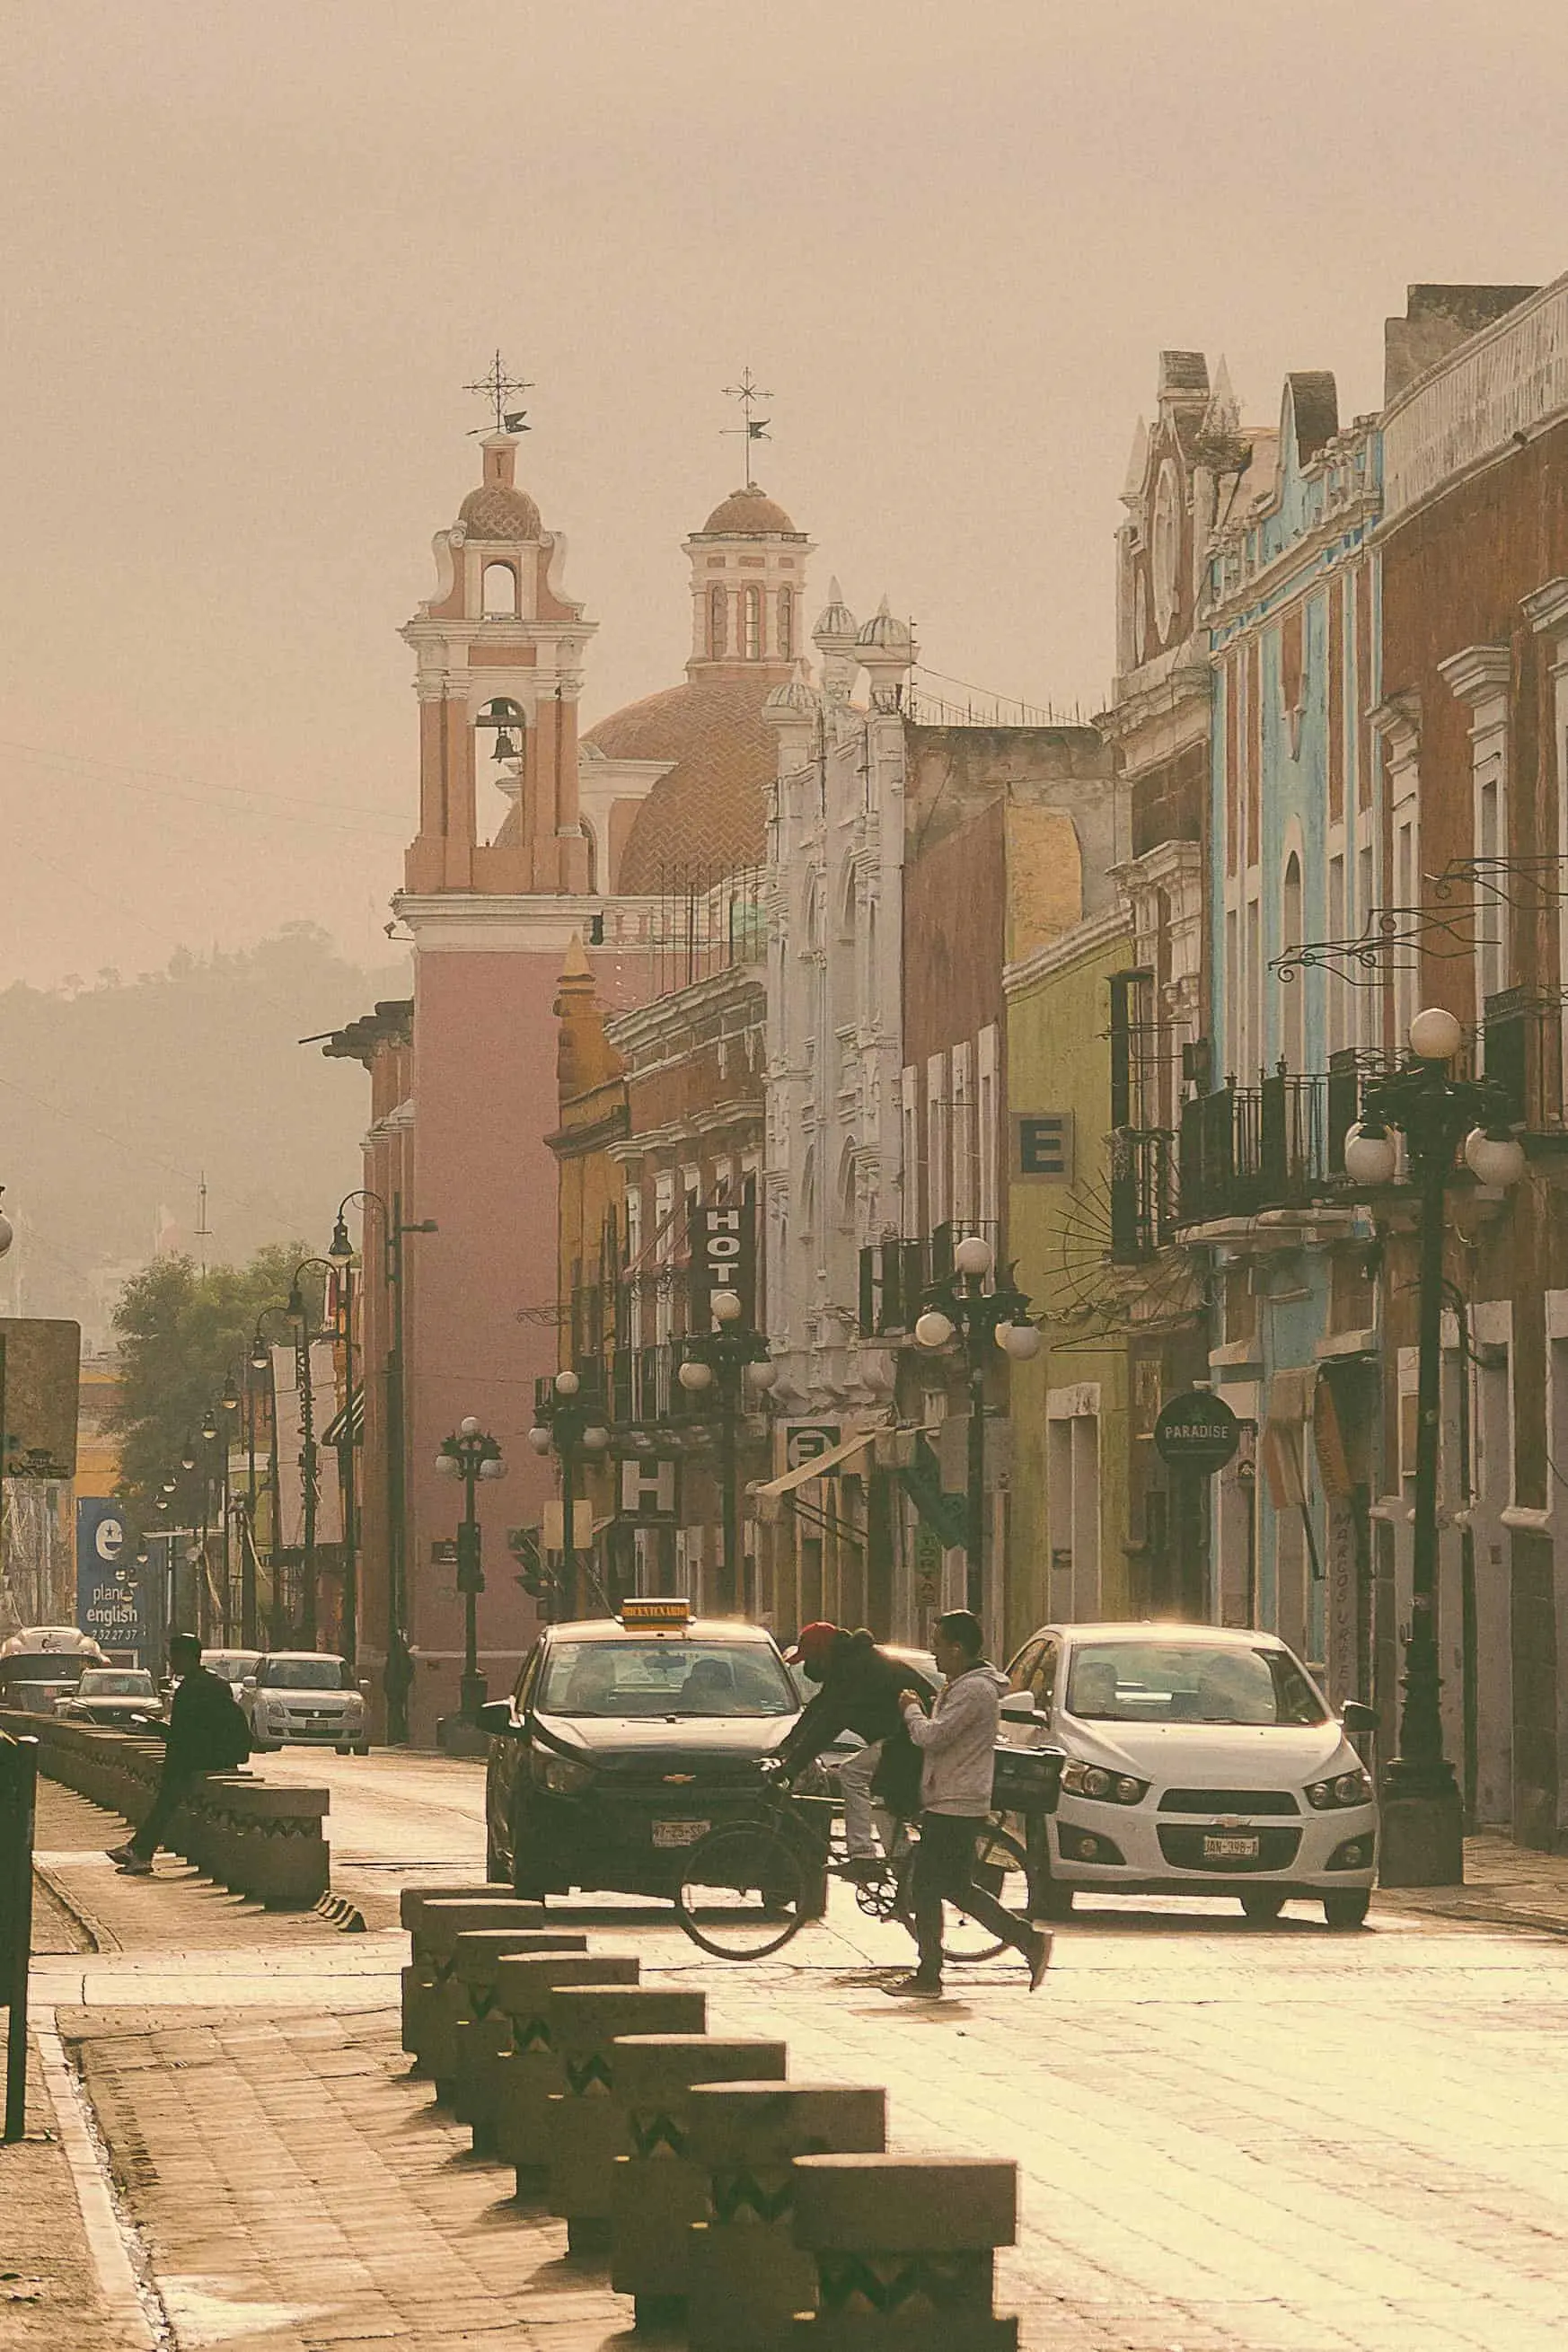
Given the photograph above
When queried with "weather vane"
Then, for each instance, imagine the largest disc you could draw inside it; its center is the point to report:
(754, 428)
(498, 388)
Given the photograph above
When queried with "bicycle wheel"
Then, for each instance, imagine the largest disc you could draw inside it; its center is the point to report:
(743, 1892)
(1000, 1868)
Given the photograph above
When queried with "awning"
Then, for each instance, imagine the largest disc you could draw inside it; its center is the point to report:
(347, 1426)
(819, 1463)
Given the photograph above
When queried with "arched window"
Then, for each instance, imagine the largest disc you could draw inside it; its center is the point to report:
(787, 623)
(752, 624)
(500, 593)
(849, 1195)
(1292, 1011)
(809, 1190)
(718, 624)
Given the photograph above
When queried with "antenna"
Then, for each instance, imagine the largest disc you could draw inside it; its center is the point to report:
(204, 1231)
(498, 387)
(754, 429)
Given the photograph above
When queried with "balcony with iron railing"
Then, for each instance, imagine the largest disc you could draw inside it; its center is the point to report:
(1277, 1145)
(637, 1386)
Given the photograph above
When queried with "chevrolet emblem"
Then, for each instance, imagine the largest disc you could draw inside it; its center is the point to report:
(679, 1780)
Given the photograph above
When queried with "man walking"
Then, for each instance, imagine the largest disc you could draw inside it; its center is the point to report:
(206, 1733)
(958, 1742)
(861, 1690)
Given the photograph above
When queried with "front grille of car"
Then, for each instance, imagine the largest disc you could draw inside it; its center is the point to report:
(1184, 1849)
(1228, 1800)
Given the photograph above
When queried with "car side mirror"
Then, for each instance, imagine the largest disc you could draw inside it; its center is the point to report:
(248, 1683)
(1357, 1716)
(364, 1687)
(1018, 1707)
(496, 1718)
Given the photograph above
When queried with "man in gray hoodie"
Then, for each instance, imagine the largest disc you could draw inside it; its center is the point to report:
(958, 1742)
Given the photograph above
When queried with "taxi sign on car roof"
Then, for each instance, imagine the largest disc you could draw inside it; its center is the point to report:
(665, 1610)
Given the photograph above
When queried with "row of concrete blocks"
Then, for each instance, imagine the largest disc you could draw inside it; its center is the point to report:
(760, 2213)
(266, 1842)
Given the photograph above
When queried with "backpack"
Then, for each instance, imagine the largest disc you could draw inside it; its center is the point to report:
(231, 1736)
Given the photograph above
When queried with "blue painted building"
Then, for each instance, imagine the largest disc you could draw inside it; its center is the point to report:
(1295, 853)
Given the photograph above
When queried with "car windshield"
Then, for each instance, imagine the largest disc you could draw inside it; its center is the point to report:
(232, 1664)
(303, 1673)
(663, 1678)
(131, 1683)
(42, 1667)
(1188, 1681)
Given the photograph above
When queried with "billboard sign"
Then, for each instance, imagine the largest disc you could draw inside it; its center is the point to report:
(109, 1592)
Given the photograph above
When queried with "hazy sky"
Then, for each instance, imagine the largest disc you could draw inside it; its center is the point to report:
(254, 251)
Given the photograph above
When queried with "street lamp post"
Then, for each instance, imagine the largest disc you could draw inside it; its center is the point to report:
(1423, 1814)
(299, 1315)
(340, 1252)
(471, 1454)
(569, 1423)
(961, 1307)
(722, 1357)
(261, 1361)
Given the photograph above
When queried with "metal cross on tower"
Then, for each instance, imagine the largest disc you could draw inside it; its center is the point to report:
(498, 387)
(754, 428)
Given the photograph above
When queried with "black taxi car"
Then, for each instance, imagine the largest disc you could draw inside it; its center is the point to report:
(626, 1740)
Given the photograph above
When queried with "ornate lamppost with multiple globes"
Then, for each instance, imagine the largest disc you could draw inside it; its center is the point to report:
(728, 1355)
(470, 1454)
(961, 1307)
(1438, 1115)
(569, 1425)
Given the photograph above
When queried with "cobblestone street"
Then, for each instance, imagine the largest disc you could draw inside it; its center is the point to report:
(1230, 2140)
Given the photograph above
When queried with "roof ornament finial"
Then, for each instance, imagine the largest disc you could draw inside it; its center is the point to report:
(754, 429)
(498, 388)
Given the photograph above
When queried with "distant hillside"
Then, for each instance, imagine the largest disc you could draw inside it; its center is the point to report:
(115, 1099)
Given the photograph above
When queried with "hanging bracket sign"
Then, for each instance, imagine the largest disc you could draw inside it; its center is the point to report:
(1197, 1431)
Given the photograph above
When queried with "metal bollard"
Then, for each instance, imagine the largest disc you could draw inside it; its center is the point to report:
(479, 2031)
(588, 2119)
(656, 2191)
(747, 2277)
(418, 1977)
(530, 2075)
(905, 2252)
(441, 1921)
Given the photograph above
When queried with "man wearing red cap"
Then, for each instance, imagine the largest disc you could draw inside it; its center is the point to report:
(861, 1692)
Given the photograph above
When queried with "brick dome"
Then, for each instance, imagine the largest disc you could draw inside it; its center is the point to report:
(708, 815)
(748, 514)
(496, 511)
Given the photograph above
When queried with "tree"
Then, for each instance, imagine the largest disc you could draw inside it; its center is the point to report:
(182, 1333)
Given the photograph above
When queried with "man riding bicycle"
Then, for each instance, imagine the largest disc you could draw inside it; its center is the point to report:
(860, 1691)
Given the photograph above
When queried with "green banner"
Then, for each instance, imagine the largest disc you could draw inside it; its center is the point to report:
(947, 1515)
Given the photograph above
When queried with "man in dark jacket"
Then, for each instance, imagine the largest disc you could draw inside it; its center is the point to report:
(206, 1733)
(861, 1692)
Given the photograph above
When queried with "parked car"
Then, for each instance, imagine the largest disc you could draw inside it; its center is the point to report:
(238, 1667)
(116, 1697)
(1199, 1761)
(308, 1697)
(625, 1740)
(41, 1663)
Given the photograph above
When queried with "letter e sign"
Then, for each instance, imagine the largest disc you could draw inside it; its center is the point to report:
(1042, 1147)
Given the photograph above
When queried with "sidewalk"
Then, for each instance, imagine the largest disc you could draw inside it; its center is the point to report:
(1506, 1885)
(49, 2298)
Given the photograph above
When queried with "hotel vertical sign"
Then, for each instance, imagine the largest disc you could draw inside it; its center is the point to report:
(723, 1258)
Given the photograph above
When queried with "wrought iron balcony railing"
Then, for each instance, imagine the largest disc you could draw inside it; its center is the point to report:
(896, 1273)
(1143, 1197)
(1277, 1145)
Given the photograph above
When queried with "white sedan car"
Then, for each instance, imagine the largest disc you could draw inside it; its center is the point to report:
(1199, 1761)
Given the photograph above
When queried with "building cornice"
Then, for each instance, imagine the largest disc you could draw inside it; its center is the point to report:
(475, 922)
(1479, 674)
(1477, 404)
(1086, 939)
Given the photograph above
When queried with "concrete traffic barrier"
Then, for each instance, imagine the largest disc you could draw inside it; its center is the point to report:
(747, 2276)
(419, 1977)
(588, 2127)
(905, 2252)
(656, 2191)
(480, 2031)
(530, 2075)
(441, 1922)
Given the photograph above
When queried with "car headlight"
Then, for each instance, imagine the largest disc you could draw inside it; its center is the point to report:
(1344, 1788)
(562, 1775)
(1108, 1788)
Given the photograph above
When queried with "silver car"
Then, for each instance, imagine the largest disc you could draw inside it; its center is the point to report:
(308, 1698)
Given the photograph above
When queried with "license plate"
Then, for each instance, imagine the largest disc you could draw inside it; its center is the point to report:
(680, 1833)
(1230, 1849)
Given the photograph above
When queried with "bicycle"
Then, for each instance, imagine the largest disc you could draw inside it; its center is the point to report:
(751, 1886)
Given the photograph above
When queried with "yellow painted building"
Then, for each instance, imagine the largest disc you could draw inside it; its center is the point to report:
(1067, 1552)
